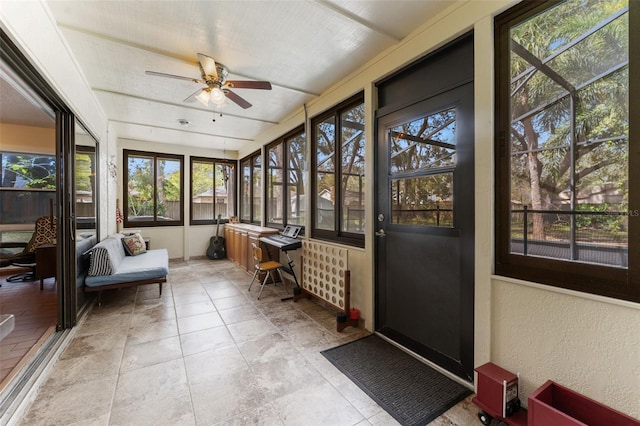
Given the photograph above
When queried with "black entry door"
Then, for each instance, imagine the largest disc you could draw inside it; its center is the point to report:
(425, 228)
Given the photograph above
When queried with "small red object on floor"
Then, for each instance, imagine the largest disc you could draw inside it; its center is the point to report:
(498, 396)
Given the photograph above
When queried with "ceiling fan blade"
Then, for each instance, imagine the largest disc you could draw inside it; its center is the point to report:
(207, 66)
(192, 97)
(247, 84)
(177, 77)
(237, 99)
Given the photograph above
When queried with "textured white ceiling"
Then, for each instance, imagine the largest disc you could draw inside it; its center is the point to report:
(301, 47)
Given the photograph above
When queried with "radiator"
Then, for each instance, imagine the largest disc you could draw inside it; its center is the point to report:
(326, 276)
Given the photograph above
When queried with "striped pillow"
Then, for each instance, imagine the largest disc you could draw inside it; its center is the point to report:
(100, 263)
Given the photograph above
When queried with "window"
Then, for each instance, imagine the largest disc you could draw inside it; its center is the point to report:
(27, 189)
(285, 184)
(423, 159)
(153, 183)
(565, 190)
(251, 188)
(213, 188)
(86, 202)
(338, 171)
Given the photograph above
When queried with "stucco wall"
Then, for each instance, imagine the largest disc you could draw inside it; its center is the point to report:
(590, 344)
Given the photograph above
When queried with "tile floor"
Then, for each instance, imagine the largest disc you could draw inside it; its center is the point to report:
(207, 353)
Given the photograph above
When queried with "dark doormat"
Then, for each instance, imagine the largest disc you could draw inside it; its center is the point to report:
(409, 390)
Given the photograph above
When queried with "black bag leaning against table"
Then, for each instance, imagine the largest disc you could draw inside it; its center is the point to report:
(216, 248)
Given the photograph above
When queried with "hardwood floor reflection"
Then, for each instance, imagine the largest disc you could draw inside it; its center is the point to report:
(35, 314)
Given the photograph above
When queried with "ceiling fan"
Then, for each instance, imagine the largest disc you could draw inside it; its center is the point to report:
(218, 88)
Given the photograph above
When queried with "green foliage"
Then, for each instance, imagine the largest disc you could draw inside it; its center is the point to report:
(573, 41)
(28, 171)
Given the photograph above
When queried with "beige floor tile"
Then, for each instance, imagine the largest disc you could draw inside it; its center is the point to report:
(201, 367)
(251, 329)
(261, 416)
(150, 353)
(222, 292)
(231, 302)
(265, 348)
(82, 345)
(152, 331)
(62, 405)
(92, 366)
(316, 405)
(199, 296)
(204, 340)
(208, 353)
(385, 419)
(226, 396)
(285, 374)
(239, 314)
(194, 308)
(144, 314)
(192, 286)
(199, 322)
(154, 395)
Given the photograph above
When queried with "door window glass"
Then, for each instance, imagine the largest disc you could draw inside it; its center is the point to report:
(425, 201)
(422, 156)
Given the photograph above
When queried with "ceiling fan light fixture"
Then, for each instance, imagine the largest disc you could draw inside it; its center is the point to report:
(203, 97)
(217, 96)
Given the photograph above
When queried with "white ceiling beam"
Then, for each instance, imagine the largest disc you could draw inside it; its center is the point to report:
(135, 123)
(356, 18)
(181, 105)
(174, 56)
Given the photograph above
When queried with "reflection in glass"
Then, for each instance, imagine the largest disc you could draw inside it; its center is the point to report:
(211, 181)
(352, 170)
(274, 184)
(202, 190)
(423, 201)
(245, 213)
(257, 188)
(87, 200)
(296, 150)
(425, 143)
(86, 188)
(168, 190)
(326, 176)
(140, 191)
(569, 132)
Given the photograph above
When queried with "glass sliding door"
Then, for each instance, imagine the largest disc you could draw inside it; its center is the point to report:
(86, 203)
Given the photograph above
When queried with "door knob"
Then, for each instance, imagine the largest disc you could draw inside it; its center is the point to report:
(381, 233)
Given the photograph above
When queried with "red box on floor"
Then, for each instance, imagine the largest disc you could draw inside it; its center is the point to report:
(497, 390)
(554, 404)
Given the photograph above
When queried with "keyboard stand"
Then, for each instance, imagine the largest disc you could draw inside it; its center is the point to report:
(289, 268)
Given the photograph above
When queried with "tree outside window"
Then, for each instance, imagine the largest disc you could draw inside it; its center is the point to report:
(154, 189)
(338, 170)
(564, 123)
(251, 188)
(285, 200)
(213, 190)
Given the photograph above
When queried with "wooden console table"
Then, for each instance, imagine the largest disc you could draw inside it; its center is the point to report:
(238, 238)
